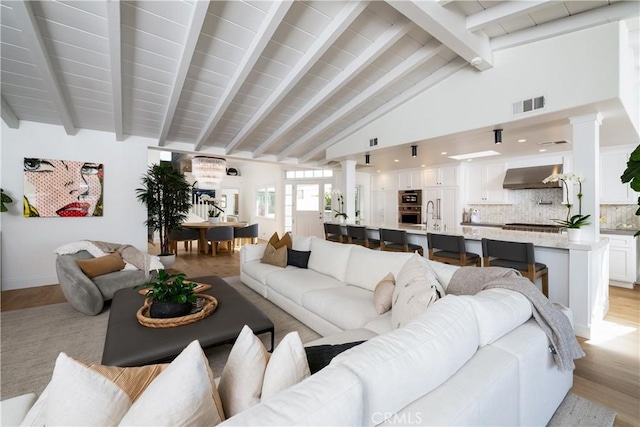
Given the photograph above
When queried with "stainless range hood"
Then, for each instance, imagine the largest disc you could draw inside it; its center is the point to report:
(526, 178)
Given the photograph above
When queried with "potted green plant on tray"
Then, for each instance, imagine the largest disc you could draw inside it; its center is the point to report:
(4, 198)
(171, 296)
(215, 212)
(167, 195)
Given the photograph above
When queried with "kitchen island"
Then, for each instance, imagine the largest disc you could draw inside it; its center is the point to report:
(578, 272)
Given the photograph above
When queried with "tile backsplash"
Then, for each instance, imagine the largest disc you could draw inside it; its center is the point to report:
(532, 206)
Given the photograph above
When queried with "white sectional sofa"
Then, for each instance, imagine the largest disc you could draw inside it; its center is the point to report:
(466, 360)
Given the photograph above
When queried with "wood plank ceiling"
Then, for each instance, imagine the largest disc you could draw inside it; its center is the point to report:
(253, 79)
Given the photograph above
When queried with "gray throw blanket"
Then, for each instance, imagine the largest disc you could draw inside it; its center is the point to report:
(564, 345)
(128, 253)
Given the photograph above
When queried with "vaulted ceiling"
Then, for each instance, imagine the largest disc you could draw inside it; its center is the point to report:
(254, 79)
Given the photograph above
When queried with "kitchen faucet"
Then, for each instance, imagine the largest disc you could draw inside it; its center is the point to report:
(427, 213)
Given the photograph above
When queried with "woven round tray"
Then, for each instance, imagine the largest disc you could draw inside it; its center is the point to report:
(209, 306)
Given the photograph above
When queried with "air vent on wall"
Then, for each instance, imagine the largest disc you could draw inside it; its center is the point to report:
(546, 143)
(528, 105)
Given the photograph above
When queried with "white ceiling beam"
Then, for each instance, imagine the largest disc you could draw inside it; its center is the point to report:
(418, 58)
(444, 2)
(373, 52)
(435, 78)
(342, 21)
(450, 28)
(115, 62)
(191, 40)
(9, 116)
(33, 38)
(262, 37)
(591, 18)
(501, 11)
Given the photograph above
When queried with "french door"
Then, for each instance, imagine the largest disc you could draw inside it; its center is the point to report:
(311, 207)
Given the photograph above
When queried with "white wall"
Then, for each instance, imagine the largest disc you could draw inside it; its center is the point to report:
(28, 243)
(572, 70)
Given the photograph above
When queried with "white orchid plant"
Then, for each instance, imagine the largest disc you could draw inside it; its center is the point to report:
(340, 199)
(572, 221)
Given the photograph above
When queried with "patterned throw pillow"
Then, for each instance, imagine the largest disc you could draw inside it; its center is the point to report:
(415, 290)
(383, 294)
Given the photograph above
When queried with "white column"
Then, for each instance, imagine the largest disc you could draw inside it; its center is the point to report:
(586, 155)
(348, 187)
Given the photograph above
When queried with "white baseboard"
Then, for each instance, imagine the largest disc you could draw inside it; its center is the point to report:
(28, 282)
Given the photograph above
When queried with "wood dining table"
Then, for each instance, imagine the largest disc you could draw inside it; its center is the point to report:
(204, 226)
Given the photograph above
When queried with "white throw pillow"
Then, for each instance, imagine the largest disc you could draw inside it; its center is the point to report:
(431, 272)
(183, 394)
(383, 294)
(415, 290)
(166, 394)
(287, 366)
(329, 258)
(81, 396)
(242, 377)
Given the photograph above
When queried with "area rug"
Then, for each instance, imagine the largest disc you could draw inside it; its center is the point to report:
(32, 338)
(578, 411)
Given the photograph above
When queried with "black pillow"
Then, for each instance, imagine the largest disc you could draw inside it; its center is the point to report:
(298, 258)
(319, 356)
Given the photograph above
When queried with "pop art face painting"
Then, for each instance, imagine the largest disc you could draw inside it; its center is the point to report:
(62, 188)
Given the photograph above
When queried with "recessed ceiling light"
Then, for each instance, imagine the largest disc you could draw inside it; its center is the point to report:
(522, 140)
(378, 170)
(443, 153)
(542, 150)
(396, 160)
(469, 160)
(422, 166)
(475, 155)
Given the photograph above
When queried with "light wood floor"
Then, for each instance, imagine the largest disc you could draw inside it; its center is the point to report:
(609, 374)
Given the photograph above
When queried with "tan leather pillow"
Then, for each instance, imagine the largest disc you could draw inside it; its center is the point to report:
(273, 256)
(102, 265)
(278, 243)
(383, 294)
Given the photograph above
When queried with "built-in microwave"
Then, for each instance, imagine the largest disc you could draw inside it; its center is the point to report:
(410, 197)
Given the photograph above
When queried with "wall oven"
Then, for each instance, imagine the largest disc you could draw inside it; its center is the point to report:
(410, 215)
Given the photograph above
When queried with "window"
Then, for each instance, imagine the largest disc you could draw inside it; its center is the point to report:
(266, 202)
(309, 174)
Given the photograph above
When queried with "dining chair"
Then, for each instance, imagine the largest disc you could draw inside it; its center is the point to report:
(247, 232)
(220, 234)
(185, 235)
(357, 234)
(396, 241)
(334, 233)
(516, 255)
(451, 250)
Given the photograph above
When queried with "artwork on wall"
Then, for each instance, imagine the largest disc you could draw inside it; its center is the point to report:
(203, 196)
(62, 188)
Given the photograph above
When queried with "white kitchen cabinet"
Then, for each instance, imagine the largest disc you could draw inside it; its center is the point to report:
(612, 190)
(384, 207)
(384, 181)
(440, 177)
(483, 184)
(409, 180)
(623, 263)
(442, 213)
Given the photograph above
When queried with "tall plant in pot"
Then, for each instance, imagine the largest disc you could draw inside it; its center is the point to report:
(167, 195)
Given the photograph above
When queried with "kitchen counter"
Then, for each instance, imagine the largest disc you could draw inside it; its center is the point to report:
(547, 240)
(619, 231)
(578, 271)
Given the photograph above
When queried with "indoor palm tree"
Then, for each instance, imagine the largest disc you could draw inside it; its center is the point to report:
(167, 195)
